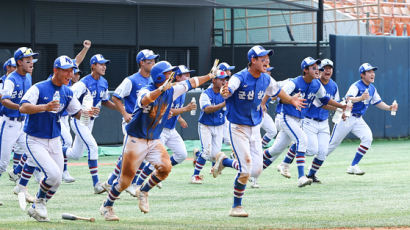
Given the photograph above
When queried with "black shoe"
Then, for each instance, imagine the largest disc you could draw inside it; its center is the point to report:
(314, 179)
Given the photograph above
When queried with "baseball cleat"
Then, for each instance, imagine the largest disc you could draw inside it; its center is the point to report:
(40, 207)
(159, 185)
(32, 213)
(218, 167)
(98, 188)
(314, 179)
(13, 177)
(238, 211)
(355, 170)
(106, 186)
(108, 213)
(196, 179)
(283, 169)
(67, 177)
(132, 189)
(21, 189)
(254, 182)
(303, 181)
(143, 203)
(196, 155)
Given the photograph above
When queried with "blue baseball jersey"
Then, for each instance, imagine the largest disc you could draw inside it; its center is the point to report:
(46, 124)
(356, 90)
(15, 86)
(148, 121)
(244, 105)
(97, 88)
(208, 98)
(317, 112)
(178, 103)
(309, 91)
(129, 88)
(2, 79)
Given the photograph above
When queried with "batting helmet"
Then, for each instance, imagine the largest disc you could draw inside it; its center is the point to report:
(158, 70)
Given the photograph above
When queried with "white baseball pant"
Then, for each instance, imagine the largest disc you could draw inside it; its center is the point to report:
(211, 140)
(65, 132)
(318, 137)
(269, 126)
(83, 140)
(357, 126)
(11, 135)
(172, 139)
(247, 146)
(48, 156)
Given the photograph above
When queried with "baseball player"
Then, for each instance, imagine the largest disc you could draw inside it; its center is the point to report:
(15, 86)
(169, 136)
(244, 93)
(316, 125)
(128, 91)
(211, 126)
(362, 93)
(43, 130)
(143, 134)
(308, 87)
(97, 86)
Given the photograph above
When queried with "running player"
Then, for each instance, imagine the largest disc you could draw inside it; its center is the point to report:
(143, 133)
(362, 93)
(244, 93)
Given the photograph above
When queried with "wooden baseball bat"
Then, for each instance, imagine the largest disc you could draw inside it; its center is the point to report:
(68, 216)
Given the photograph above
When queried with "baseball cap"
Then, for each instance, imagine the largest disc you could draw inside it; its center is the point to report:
(224, 66)
(77, 70)
(158, 70)
(366, 67)
(146, 55)
(325, 62)
(98, 58)
(221, 74)
(9, 62)
(308, 62)
(183, 69)
(63, 62)
(258, 51)
(270, 68)
(23, 52)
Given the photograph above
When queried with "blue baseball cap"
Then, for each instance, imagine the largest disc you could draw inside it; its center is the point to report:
(366, 67)
(23, 52)
(258, 51)
(270, 68)
(98, 58)
(64, 62)
(183, 69)
(146, 55)
(325, 62)
(308, 62)
(224, 66)
(221, 74)
(9, 62)
(158, 70)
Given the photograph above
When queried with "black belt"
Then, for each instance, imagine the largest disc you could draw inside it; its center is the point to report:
(16, 118)
(356, 115)
(315, 119)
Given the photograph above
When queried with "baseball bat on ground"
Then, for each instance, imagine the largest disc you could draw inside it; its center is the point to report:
(68, 216)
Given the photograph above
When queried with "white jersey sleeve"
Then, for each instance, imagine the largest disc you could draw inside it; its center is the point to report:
(124, 89)
(141, 94)
(376, 98)
(273, 88)
(289, 87)
(8, 88)
(353, 91)
(31, 95)
(79, 89)
(74, 106)
(106, 96)
(337, 96)
(321, 92)
(204, 101)
(234, 83)
(179, 89)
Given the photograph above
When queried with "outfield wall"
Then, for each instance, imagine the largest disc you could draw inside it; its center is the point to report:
(391, 55)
